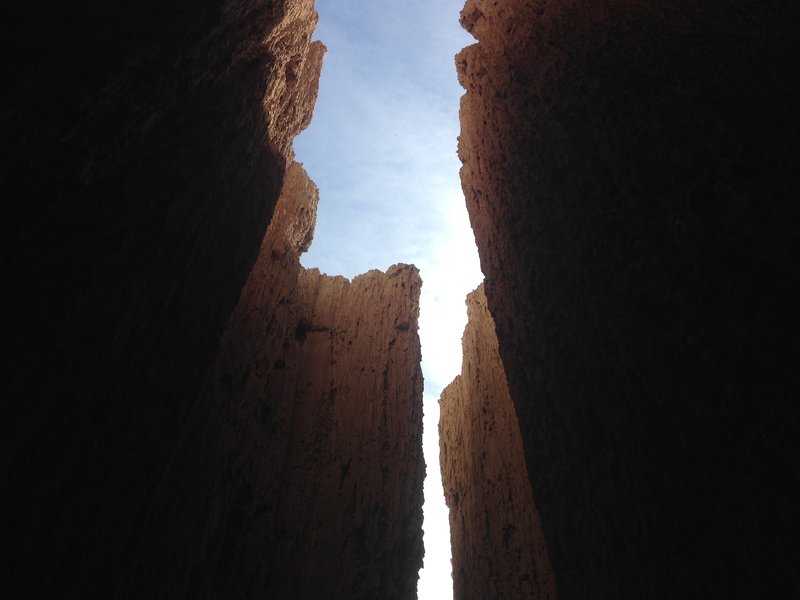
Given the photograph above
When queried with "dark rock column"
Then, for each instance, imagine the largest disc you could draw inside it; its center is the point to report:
(144, 145)
(630, 173)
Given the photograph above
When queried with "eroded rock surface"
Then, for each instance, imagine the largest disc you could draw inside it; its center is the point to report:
(144, 147)
(308, 434)
(629, 169)
(496, 536)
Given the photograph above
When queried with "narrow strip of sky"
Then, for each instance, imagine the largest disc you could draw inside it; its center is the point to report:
(382, 150)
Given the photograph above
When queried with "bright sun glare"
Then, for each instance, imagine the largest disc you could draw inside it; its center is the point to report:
(382, 150)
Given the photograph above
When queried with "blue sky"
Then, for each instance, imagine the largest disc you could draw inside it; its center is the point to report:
(382, 150)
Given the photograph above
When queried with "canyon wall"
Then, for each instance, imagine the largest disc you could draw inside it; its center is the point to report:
(300, 471)
(630, 174)
(496, 536)
(155, 442)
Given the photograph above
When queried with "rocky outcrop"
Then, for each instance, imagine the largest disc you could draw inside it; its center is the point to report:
(496, 536)
(628, 169)
(144, 147)
(304, 455)
(354, 470)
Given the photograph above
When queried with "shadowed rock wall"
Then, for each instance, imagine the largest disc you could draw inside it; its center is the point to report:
(143, 149)
(301, 468)
(630, 174)
(496, 536)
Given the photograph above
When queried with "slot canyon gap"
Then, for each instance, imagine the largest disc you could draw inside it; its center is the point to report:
(188, 412)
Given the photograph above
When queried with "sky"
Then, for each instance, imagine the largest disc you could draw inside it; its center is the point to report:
(382, 150)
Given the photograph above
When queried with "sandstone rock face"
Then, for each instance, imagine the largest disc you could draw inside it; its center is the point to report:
(628, 169)
(496, 536)
(304, 454)
(144, 146)
(160, 440)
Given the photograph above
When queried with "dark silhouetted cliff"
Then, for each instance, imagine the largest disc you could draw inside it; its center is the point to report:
(157, 443)
(630, 174)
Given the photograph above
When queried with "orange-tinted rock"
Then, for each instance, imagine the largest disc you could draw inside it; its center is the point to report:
(630, 174)
(304, 454)
(496, 537)
(156, 442)
(144, 145)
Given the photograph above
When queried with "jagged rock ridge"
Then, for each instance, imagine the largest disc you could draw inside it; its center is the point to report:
(496, 536)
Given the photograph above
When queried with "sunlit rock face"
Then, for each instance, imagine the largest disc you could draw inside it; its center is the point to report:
(629, 169)
(308, 434)
(144, 148)
(497, 542)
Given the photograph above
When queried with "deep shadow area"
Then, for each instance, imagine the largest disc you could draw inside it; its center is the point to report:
(630, 172)
(176, 423)
(186, 412)
(139, 172)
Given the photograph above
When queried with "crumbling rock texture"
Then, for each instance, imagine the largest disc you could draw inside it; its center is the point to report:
(630, 174)
(308, 436)
(496, 536)
(143, 149)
